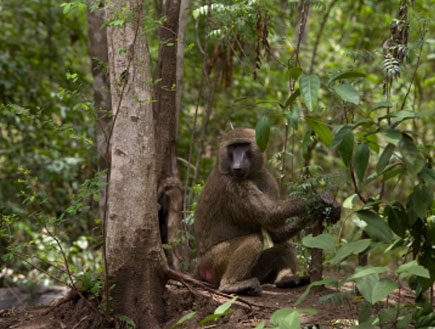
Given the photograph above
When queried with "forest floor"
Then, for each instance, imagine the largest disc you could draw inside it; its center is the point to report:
(73, 312)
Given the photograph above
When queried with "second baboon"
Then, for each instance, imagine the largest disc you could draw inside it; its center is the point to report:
(240, 198)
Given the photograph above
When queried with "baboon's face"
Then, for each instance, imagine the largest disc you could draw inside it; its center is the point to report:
(240, 158)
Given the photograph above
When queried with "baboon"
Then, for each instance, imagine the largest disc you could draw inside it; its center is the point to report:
(240, 197)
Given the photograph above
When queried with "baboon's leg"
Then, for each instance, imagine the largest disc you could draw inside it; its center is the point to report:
(244, 255)
(274, 265)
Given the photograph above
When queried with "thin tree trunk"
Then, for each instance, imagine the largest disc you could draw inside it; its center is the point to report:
(170, 191)
(182, 24)
(136, 262)
(102, 97)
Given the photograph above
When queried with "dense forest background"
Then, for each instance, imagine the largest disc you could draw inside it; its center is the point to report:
(341, 92)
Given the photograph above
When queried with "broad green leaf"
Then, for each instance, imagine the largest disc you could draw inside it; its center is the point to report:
(397, 218)
(419, 202)
(392, 136)
(184, 319)
(385, 157)
(427, 174)
(351, 248)
(340, 132)
(426, 321)
(365, 286)
(292, 98)
(323, 241)
(346, 149)
(376, 226)
(387, 314)
(386, 104)
(382, 289)
(412, 268)
(280, 314)
(372, 142)
(361, 160)
(368, 270)
(260, 325)
(262, 132)
(321, 129)
(350, 201)
(292, 321)
(404, 321)
(346, 75)
(326, 281)
(411, 157)
(347, 93)
(309, 86)
(364, 313)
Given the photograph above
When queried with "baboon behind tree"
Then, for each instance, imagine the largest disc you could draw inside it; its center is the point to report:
(240, 198)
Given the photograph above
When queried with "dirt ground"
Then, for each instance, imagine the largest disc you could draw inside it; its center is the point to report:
(73, 312)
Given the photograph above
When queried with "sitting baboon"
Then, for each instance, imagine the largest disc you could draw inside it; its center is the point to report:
(240, 198)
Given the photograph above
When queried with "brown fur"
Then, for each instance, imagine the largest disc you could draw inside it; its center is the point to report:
(229, 217)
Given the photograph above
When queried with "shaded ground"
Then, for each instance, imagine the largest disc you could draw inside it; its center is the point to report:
(73, 312)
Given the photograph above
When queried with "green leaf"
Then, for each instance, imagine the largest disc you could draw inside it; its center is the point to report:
(326, 281)
(225, 306)
(397, 218)
(184, 319)
(427, 174)
(293, 117)
(386, 104)
(368, 270)
(323, 241)
(262, 132)
(411, 156)
(419, 202)
(295, 72)
(412, 268)
(340, 132)
(361, 160)
(321, 129)
(364, 313)
(347, 93)
(213, 317)
(350, 201)
(376, 226)
(292, 98)
(351, 248)
(346, 75)
(392, 135)
(385, 157)
(309, 86)
(382, 289)
(127, 320)
(280, 314)
(292, 321)
(365, 286)
(346, 149)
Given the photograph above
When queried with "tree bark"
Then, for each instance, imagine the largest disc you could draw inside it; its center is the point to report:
(102, 97)
(170, 192)
(136, 262)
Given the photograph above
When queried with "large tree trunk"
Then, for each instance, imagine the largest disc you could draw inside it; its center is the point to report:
(170, 193)
(136, 262)
(102, 97)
